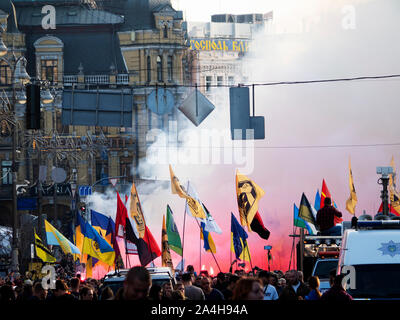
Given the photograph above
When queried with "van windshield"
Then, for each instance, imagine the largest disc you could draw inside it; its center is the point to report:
(376, 281)
(324, 267)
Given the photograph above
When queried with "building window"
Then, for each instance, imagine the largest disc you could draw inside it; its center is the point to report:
(231, 80)
(148, 69)
(159, 69)
(208, 83)
(165, 29)
(169, 65)
(220, 81)
(6, 172)
(49, 70)
(5, 73)
(102, 172)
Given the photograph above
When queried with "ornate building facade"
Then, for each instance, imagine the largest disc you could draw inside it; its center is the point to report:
(135, 45)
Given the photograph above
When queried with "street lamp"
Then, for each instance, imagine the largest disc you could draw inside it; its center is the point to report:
(46, 96)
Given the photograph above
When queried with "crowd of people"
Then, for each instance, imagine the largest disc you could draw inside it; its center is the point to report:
(237, 286)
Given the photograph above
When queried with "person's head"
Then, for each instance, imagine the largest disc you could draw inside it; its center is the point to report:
(232, 281)
(197, 282)
(327, 201)
(155, 292)
(61, 288)
(313, 283)
(190, 268)
(178, 295)
(337, 282)
(281, 282)
(292, 277)
(273, 279)
(107, 294)
(206, 284)
(187, 279)
(221, 277)
(264, 277)
(86, 293)
(167, 290)
(179, 286)
(137, 283)
(248, 289)
(39, 291)
(75, 284)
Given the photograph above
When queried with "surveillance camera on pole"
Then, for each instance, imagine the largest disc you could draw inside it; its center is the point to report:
(385, 172)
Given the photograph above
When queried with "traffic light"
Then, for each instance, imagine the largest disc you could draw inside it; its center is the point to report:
(244, 126)
(32, 106)
(82, 210)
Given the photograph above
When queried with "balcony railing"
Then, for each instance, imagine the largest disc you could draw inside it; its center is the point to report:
(98, 79)
(121, 79)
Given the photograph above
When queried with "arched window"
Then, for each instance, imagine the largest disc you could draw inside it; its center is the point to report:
(159, 69)
(165, 31)
(169, 67)
(148, 69)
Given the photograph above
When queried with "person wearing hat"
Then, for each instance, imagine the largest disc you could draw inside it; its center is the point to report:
(326, 219)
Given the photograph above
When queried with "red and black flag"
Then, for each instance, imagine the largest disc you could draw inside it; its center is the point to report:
(257, 225)
(147, 247)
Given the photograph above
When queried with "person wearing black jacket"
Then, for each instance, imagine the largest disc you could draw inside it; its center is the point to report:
(295, 289)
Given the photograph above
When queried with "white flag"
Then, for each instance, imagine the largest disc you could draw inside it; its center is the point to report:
(210, 225)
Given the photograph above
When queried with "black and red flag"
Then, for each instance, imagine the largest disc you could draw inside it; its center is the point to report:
(257, 225)
(147, 247)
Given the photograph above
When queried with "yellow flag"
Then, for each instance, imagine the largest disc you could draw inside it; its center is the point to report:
(137, 212)
(195, 207)
(248, 194)
(166, 253)
(352, 201)
(42, 252)
(89, 267)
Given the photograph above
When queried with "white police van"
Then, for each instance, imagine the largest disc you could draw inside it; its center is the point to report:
(159, 275)
(371, 253)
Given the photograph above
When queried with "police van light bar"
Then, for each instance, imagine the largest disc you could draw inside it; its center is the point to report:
(379, 224)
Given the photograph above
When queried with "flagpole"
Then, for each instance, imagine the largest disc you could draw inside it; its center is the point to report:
(200, 252)
(184, 226)
(248, 251)
(210, 248)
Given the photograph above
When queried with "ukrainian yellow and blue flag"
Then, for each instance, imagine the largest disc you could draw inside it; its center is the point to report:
(209, 244)
(54, 237)
(94, 244)
(239, 244)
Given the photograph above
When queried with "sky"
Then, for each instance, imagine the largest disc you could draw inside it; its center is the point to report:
(312, 130)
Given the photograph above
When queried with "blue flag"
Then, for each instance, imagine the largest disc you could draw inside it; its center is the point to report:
(317, 201)
(239, 236)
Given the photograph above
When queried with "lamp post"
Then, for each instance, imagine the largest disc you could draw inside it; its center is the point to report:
(19, 79)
